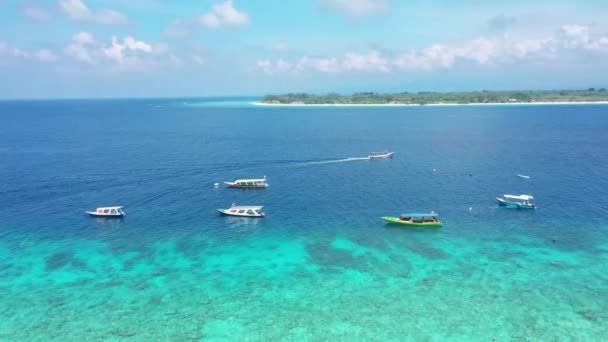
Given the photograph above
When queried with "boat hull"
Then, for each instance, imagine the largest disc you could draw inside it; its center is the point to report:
(396, 220)
(94, 214)
(227, 213)
(514, 205)
(234, 185)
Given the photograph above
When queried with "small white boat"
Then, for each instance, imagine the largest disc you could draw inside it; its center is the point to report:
(109, 212)
(248, 183)
(243, 211)
(523, 176)
(380, 155)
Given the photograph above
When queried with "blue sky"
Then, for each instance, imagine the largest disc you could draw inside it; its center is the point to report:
(115, 48)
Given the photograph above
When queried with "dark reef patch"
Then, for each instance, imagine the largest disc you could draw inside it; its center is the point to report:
(426, 250)
(324, 254)
(58, 260)
(78, 265)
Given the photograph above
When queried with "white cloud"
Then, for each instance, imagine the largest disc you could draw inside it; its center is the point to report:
(78, 10)
(36, 13)
(319, 63)
(175, 61)
(80, 49)
(210, 20)
(372, 61)
(123, 54)
(160, 48)
(523, 48)
(16, 52)
(83, 38)
(602, 42)
(480, 51)
(573, 36)
(357, 7)
(264, 64)
(279, 66)
(426, 59)
(45, 55)
(119, 52)
(223, 15)
(41, 55)
(198, 59)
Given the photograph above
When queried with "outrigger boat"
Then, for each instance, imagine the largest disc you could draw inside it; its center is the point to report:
(243, 211)
(516, 201)
(380, 155)
(109, 212)
(248, 183)
(415, 219)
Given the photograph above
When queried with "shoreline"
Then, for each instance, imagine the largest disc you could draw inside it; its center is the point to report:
(258, 103)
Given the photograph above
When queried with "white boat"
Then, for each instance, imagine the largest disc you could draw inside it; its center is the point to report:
(380, 155)
(248, 183)
(243, 211)
(516, 201)
(523, 176)
(109, 212)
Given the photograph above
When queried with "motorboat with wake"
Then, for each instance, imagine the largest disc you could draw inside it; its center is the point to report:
(381, 155)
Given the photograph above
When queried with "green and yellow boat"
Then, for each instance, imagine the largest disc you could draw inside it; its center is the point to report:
(415, 219)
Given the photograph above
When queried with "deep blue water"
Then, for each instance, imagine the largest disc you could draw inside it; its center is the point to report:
(160, 157)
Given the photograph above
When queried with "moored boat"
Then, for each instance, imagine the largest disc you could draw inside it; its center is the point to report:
(248, 183)
(380, 155)
(516, 201)
(108, 212)
(243, 211)
(415, 219)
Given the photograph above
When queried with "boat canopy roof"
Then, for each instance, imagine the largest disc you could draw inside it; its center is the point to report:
(110, 207)
(251, 180)
(247, 207)
(520, 197)
(419, 215)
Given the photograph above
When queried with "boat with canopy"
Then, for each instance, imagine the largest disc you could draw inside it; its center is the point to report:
(416, 219)
(109, 212)
(254, 183)
(516, 201)
(243, 211)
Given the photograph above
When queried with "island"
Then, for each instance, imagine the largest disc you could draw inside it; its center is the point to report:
(590, 95)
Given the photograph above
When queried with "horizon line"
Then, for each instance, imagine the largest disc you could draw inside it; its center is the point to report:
(147, 97)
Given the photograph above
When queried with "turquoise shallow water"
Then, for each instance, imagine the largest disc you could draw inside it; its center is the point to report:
(321, 265)
(304, 288)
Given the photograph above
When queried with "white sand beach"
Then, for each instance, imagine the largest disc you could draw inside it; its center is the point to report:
(258, 103)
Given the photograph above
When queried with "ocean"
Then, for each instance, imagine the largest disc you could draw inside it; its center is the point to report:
(321, 265)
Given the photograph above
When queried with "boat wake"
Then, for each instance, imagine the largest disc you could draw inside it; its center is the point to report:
(343, 160)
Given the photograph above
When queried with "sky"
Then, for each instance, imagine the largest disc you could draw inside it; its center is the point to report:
(162, 48)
